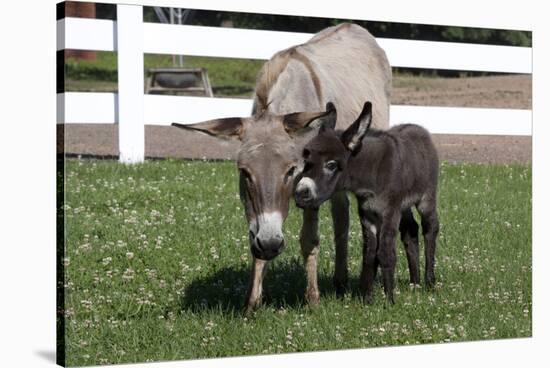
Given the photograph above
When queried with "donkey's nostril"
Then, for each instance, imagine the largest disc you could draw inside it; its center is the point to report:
(267, 250)
(259, 244)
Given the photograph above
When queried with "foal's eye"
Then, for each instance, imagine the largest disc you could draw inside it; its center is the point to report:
(331, 165)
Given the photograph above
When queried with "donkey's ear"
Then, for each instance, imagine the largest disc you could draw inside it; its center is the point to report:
(300, 120)
(328, 122)
(353, 136)
(222, 128)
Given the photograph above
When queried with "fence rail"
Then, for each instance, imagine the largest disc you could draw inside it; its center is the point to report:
(130, 37)
(94, 34)
(101, 108)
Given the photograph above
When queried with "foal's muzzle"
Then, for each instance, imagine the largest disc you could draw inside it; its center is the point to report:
(303, 197)
(305, 193)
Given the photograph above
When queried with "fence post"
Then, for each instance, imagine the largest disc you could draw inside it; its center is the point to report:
(131, 128)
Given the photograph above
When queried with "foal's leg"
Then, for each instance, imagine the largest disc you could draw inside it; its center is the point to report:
(254, 295)
(340, 223)
(370, 260)
(309, 242)
(430, 229)
(386, 251)
(409, 236)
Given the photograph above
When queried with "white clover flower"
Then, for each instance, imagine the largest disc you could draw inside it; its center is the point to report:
(128, 274)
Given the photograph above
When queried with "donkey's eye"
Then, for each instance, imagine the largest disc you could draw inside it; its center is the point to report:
(306, 153)
(331, 165)
(290, 172)
(246, 175)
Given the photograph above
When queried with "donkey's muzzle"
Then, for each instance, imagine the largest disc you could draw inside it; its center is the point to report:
(267, 249)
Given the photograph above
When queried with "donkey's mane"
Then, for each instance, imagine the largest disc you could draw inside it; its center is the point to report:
(273, 68)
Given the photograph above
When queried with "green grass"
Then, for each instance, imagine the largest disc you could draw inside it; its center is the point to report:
(157, 267)
(228, 77)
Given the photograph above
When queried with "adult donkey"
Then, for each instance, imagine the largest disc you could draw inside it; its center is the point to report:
(342, 64)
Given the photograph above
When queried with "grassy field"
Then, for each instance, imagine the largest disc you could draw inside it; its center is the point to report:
(157, 262)
(228, 77)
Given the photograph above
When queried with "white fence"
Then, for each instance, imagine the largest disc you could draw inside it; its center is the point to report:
(130, 108)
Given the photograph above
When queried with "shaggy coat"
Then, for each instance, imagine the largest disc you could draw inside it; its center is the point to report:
(389, 172)
(343, 64)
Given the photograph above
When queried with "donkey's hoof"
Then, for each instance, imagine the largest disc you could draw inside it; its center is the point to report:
(250, 308)
(313, 299)
(248, 311)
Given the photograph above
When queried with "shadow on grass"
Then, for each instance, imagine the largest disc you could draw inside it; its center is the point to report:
(284, 286)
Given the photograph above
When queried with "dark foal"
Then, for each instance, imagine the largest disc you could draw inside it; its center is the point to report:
(389, 172)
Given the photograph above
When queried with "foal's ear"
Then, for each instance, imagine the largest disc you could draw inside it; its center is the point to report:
(222, 128)
(300, 120)
(353, 136)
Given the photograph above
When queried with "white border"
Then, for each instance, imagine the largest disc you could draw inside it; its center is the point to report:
(27, 152)
(489, 14)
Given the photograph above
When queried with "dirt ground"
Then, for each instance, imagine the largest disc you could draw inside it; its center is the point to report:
(101, 140)
(507, 91)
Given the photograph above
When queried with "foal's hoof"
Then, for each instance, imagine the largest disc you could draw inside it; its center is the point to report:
(389, 301)
(368, 299)
(340, 291)
(430, 282)
(341, 288)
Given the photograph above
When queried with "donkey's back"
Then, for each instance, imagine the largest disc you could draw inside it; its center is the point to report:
(342, 64)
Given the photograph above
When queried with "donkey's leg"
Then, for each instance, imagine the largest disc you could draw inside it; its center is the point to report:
(370, 261)
(386, 251)
(430, 229)
(254, 295)
(309, 242)
(409, 236)
(340, 223)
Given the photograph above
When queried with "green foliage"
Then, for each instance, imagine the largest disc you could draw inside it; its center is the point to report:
(104, 68)
(314, 24)
(157, 263)
(378, 29)
(475, 35)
